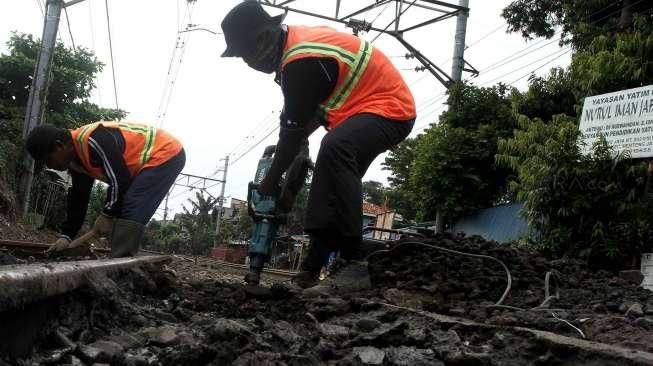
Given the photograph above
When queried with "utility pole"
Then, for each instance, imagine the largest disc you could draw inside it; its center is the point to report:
(165, 208)
(221, 198)
(456, 74)
(38, 92)
(459, 44)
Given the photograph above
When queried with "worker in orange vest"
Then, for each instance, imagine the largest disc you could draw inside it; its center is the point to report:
(343, 83)
(139, 163)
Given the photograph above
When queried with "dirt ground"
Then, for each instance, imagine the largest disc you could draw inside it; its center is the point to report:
(185, 314)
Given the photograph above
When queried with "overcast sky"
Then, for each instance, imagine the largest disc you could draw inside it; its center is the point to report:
(220, 106)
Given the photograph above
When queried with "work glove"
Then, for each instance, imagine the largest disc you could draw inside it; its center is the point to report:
(103, 226)
(60, 244)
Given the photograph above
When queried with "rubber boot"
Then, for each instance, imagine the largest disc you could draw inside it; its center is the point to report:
(317, 257)
(352, 276)
(126, 238)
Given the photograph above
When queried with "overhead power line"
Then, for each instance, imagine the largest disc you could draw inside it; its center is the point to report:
(174, 66)
(256, 144)
(70, 32)
(113, 69)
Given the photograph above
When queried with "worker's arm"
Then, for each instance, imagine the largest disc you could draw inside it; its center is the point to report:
(305, 84)
(76, 204)
(106, 147)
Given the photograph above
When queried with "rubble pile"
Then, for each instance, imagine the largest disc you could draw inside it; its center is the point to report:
(606, 307)
(184, 314)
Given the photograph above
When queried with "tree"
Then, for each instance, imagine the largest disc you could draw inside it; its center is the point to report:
(577, 205)
(399, 162)
(580, 20)
(453, 170)
(198, 223)
(374, 192)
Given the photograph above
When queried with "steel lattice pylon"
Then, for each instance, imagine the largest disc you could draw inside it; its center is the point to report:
(440, 10)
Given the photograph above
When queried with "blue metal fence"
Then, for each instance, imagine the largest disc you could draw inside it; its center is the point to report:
(501, 223)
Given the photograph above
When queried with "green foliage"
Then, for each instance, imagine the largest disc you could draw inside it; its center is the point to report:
(96, 202)
(580, 20)
(399, 162)
(453, 170)
(590, 206)
(199, 224)
(295, 222)
(547, 96)
(609, 65)
(374, 192)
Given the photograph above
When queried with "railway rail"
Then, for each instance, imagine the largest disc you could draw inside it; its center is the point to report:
(213, 261)
(37, 248)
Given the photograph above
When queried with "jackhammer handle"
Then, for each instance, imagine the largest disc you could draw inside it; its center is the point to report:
(82, 239)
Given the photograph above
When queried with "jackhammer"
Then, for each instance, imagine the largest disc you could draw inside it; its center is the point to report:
(271, 212)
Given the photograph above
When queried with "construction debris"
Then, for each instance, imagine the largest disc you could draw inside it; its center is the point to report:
(428, 308)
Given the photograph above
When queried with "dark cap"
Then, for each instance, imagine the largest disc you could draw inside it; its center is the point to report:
(242, 24)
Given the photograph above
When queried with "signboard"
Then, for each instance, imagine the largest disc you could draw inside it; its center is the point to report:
(625, 118)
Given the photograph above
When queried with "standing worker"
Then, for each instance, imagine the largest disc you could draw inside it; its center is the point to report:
(139, 162)
(343, 83)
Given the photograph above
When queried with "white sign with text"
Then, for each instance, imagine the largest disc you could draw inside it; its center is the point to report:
(625, 118)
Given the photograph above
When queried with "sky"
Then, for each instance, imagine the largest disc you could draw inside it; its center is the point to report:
(219, 106)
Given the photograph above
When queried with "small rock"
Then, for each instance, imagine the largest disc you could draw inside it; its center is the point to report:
(224, 329)
(633, 277)
(369, 355)
(623, 308)
(612, 306)
(284, 331)
(326, 350)
(90, 354)
(646, 323)
(394, 296)
(635, 311)
(162, 336)
(139, 320)
(409, 356)
(111, 348)
(334, 331)
(166, 316)
(325, 308)
(127, 341)
(616, 294)
(367, 324)
(599, 308)
(131, 360)
(457, 312)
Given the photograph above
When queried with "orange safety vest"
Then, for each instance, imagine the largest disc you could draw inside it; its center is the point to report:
(145, 146)
(367, 80)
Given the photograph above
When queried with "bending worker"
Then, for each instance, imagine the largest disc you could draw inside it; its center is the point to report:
(341, 82)
(139, 163)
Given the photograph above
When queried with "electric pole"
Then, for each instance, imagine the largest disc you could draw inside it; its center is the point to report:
(38, 92)
(456, 73)
(221, 198)
(459, 44)
(165, 208)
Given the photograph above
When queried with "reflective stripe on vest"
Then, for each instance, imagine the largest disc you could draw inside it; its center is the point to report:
(148, 132)
(357, 65)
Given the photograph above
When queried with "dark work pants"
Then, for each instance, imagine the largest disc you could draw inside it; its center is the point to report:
(334, 211)
(149, 188)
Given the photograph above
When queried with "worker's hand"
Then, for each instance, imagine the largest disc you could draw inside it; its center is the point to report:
(268, 187)
(59, 245)
(103, 226)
